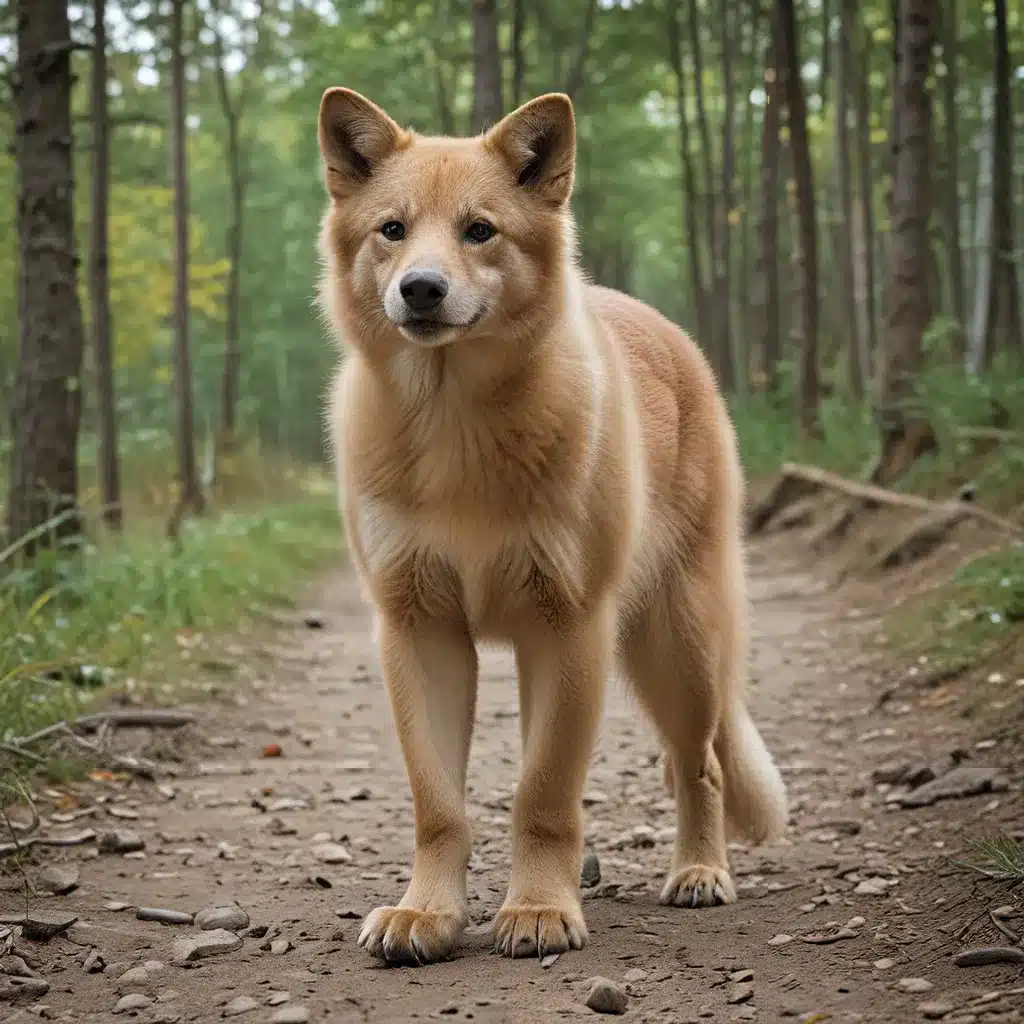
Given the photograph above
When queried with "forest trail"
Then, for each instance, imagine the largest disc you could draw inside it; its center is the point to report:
(261, 830)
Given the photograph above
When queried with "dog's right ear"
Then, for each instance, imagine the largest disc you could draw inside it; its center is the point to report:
(355, 135)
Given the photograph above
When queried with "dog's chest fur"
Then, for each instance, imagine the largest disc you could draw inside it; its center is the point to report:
(482, 512)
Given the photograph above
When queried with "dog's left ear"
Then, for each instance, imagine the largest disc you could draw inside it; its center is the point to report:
(355, 136)
(539, 142)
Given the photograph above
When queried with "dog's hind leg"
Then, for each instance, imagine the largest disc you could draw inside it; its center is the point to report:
(675, 659)
(431, 672)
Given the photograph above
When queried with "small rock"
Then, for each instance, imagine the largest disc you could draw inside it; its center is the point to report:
(874, 886)
(914, 985)
(132, 1003)
(605, 996)
(277, 998)
(968, 779)
(884, 964)
(121, 841)
(590, 873)
(240, 1005)
(43, 927)
(347, 914)
(59, 880)
(280, 946)
(134, 977)
(231, 918)
(780, 940)
(257, 931)
(331, 853)
(196, 947)
(94, 962)
(936, 1010)
(989, 955)
(291, 1015)
(744, 974)
(163, 916)
(338, 935)
(116, 907)
(832, 935)
(13, 988)
(550, 960)
(740, 994)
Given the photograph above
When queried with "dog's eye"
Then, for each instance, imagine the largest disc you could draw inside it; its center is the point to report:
(479, 232)
(393, 230)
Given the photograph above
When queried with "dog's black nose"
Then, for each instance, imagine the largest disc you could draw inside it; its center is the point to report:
(423, 290)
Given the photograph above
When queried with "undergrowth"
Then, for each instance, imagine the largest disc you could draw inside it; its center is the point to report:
(999, 858)
(975, 614)
(137, 611)
(954, 403)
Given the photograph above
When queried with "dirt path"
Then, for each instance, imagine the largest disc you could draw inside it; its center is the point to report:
(250, 829)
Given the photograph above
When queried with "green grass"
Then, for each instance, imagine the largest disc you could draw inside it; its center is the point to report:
(975, 614)
(116, 614)
(1000, 858)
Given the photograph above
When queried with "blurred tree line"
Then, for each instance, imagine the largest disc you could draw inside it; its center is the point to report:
(814, 189)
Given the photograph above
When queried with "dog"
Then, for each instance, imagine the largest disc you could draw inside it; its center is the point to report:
(527, 458)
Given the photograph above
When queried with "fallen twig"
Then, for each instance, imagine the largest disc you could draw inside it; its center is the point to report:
(796, 480)
(990, 434)
(158, 718)
(1000, 927)
(16, 751)
(79, 839)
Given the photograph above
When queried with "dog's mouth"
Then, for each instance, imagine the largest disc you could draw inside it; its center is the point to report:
(428, 328)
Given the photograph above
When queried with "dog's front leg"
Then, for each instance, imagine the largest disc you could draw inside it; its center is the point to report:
(431, 673)
(561, 688)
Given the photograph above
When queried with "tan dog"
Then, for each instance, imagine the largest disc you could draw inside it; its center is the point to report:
(526, 458)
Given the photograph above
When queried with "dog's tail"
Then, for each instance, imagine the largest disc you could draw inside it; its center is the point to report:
(755, 795)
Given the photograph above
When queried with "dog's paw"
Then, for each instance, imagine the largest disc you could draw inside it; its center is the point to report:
(699, 886)
(529, 930)
(403, 936)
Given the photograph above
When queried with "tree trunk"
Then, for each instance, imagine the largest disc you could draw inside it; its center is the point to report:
(744, 327)
(690, 229)
(797, 107)
(708, 194)
(907, 298)
(190, 495)
(577, 70)
(858, 368)
(232, 111)
(46, 407)
(723, 257)
(826, 52)
(862, 99)
(766, 319)
(232, 328)
(978, 343)
(518, 57)
(99, 279)
(956, 259)
(487, 105)
(1004, 299)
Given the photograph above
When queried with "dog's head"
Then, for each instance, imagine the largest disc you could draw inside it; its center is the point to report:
(431, 241)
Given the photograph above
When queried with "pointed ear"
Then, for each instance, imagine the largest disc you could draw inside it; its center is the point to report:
(355, 135)
(539, 143)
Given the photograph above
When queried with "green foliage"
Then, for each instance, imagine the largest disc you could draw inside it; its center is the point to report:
(999, 858)
(978, 611)
(124, 615)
